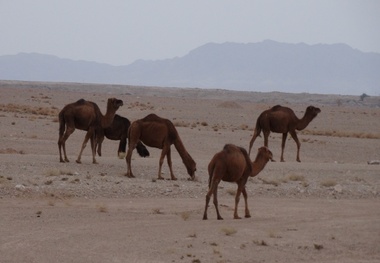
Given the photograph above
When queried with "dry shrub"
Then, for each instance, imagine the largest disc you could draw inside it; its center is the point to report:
(243, 127)
(181, 124)
(231, 191)
(271, 182)
(185, 215)
(347, 134)
(16, 108)
(260, 243)
(157, 211)
(328, 183)
(229, 231)
(102, 208)
(296, 177)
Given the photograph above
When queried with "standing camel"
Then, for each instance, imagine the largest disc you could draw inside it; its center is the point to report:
(232, 164)
(119, 131)
(84, 115)
(160, 133)
(282, 120)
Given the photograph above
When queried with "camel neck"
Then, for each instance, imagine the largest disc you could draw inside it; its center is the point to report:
(258, 165)
(107, 119)
(302, 123)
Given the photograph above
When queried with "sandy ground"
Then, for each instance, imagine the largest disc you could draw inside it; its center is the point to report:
(324, 209)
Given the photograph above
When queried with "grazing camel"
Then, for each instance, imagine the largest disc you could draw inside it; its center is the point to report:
(232, 164)
(160, 133)
(84, 115)
(282, 120)
(119, 131)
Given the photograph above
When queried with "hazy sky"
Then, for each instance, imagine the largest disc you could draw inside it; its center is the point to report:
(119, 32)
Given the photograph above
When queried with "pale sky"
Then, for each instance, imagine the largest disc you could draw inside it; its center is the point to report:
(118, 32)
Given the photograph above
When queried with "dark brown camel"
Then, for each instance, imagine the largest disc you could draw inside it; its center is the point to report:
(84, 115)
(232, 164)
(282, 120)
(160, 133)
(119, 131)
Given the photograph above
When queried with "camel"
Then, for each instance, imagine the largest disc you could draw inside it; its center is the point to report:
(160, 133)
(119, 131)
(282, 120)
(233, 164)
(84, 115)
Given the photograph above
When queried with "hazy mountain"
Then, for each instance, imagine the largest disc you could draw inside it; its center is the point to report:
(264, 66)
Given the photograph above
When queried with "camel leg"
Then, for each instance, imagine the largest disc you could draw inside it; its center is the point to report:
(98, 145)
(284, 136)
(121, 152)
(86, 138)
(208, 197)
(255, 134)
(164, 151)
(93, 148)
(128, 160)
(169, 160)
(215, 193)
(247, 213)
(295, 138)
(62, 143)
(237, 199)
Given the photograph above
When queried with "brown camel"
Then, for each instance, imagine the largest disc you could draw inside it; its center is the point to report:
(160, 133)
(232, 164)
(282, 120)
(84, 115)
(118, 131)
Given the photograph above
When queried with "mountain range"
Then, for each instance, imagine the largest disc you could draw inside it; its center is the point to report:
(264, 66)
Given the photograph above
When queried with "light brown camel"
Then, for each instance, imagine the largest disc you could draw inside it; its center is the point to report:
(84, 115)
(282, 120)
(160, 133)
(232, 164)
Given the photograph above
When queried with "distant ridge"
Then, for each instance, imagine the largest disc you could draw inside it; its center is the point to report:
(265, 66)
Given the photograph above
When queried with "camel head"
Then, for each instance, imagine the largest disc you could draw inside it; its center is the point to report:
(114, 103)
(265, 153)
(191, 167)
(313, 111)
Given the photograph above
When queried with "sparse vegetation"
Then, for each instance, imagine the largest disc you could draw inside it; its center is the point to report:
(296, 177)
(229, 231)
(185, 215)
(328, 183)
(157, 211)
(343, 134)
(102, 208)
(260, 243)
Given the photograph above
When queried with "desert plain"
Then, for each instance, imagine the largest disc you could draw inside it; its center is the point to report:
(324, 209)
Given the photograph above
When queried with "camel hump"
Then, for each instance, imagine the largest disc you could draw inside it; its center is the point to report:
(81, 101)
(276, 107)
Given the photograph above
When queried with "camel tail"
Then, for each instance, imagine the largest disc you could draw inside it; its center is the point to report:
(211, 168)
(258, 128)
(62, 124)
(142, 150)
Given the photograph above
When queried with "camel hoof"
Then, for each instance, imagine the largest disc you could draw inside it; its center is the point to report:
(247, 216)
(205, 218)
(237, 217)
(78, 161)
(174, 178)
(161, 178)
(220, 218)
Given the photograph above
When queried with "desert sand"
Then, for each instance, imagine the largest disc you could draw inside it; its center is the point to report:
(324, 209)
